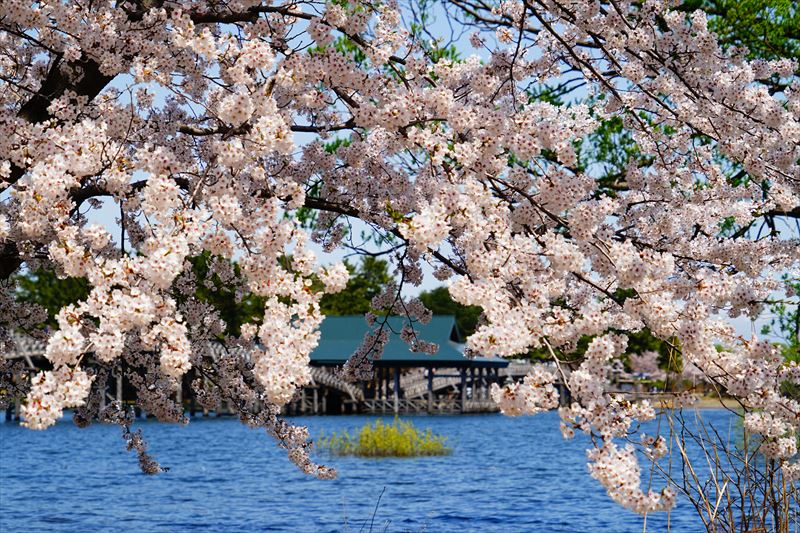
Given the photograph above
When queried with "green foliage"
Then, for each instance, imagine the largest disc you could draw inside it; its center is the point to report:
(606, 153)
(234, 310)
(448, 52)
(337, 143)
(398, 439)
(424, 20)
(345, 46)
(439, 302)
(638, 342)
(546, 93)
(785, 323)
(366, 281)
(770, 29)
(43, 287)
(643, 340)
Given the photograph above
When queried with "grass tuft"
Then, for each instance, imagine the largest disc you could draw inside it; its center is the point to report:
(398, 439)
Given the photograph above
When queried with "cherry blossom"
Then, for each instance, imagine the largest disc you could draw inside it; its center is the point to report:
(226, 128)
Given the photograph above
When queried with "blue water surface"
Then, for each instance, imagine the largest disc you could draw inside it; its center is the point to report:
(506, 475)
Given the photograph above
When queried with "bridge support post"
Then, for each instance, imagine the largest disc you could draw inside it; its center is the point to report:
(396, 390)
(430, 390)
(385, 402)
(379, 385)
(103, 397)
(472, 386)
(463, 388)
(119, 386)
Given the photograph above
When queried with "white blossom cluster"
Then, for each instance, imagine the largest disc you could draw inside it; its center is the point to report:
(534, 394)
(618, 471)
(53, 391)
(781, 436)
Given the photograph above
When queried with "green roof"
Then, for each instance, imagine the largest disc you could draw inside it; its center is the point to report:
(342, 335)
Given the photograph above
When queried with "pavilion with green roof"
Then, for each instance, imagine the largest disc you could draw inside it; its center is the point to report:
(342, 335)
(406, 381)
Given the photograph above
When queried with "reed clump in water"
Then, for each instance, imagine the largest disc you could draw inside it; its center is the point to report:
(398, 439)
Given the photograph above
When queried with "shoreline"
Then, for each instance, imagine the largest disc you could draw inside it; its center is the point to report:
(703, 403)
(710, 402)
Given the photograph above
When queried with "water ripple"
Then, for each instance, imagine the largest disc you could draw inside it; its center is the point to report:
(505, 475)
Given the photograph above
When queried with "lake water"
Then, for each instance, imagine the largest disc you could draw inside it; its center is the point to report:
(505, 475)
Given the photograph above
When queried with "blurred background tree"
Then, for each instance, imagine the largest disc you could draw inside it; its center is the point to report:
(44, 288)
(769, 29)
(438, 300)
(367, 280)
